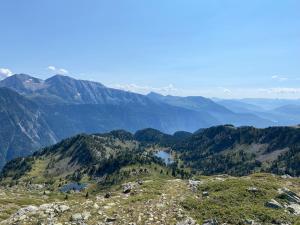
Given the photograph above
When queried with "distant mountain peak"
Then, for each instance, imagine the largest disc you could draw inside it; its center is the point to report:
(154, 94)
(60, 77)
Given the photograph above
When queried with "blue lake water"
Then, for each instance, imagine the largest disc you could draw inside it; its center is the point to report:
(73, 186)
(165, 156)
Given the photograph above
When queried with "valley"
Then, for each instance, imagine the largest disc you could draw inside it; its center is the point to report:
(154, 178)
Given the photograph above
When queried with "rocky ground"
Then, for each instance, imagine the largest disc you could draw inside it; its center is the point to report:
(204, 200)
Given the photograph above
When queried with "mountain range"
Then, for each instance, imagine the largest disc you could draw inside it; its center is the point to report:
(37, 113)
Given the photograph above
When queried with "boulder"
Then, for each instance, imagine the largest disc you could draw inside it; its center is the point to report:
(76, 217)
(210, 222)
(187, 221)
(107, 195)
(274, 204)
(31, 209)
(140, 182)
(63, 208)
(291, 197)
(205, 194)
(110, 219)
(80, 216)
(286, 176)
(294, 208)
(251, 222)
(127, 188)
(253, 189)
(193, 184)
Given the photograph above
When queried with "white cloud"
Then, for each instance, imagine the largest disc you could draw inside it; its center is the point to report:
(169, 89)
(4, 72)
(58, 70)
(279, 78)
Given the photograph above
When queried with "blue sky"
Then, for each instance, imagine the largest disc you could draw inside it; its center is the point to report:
(228, 49)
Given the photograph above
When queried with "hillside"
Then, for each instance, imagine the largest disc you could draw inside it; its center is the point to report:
(217, 150)
(117, 178)
(243, 150)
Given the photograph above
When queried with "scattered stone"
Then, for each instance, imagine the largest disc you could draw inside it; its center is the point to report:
(188, 221)
(205, 194)
(253, 189)
(96, 206)
(210, 222)
(110, 219)
(251, 222)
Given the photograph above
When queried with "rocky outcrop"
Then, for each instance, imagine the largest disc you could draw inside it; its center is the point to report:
(187, 221)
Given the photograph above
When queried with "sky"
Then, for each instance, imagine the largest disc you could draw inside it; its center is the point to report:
(213, 48)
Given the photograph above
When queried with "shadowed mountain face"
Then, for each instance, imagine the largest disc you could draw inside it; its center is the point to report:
(62, 106)
(23, 126)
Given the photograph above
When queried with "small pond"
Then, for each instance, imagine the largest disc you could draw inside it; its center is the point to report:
(165, 156)
(73, 187)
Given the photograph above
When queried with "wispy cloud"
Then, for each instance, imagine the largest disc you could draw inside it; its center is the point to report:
(279, 78)
(61, 71)
(4, 72)
(169, 89)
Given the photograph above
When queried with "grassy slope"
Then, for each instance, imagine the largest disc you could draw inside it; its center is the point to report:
(166, 200)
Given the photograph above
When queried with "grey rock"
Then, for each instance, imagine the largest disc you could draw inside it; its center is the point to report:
(274, 204)
(187, 221)
(107, 195)
(210, 222)
(253, 189)
(127, 188)
(205, 193)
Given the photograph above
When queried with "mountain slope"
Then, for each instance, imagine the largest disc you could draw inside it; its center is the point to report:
(216, 150)
(204, 105)
(239, 151)
(23, 128)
